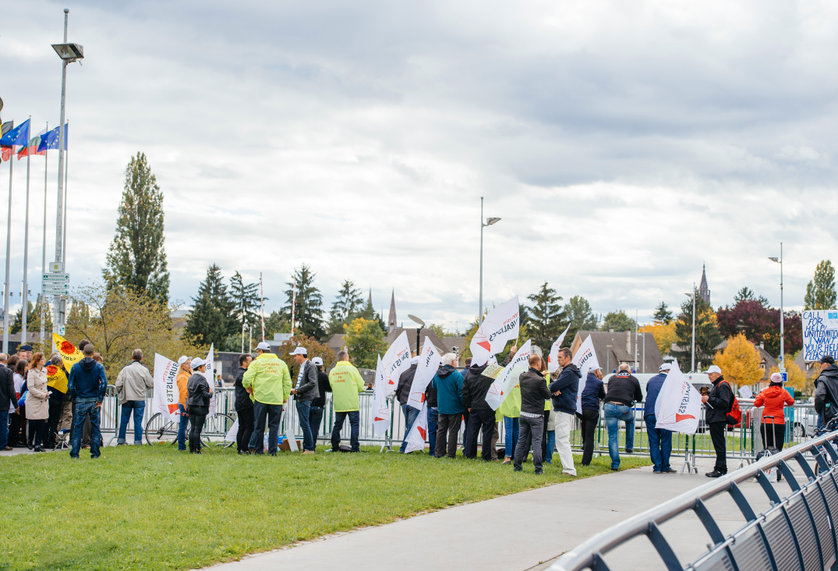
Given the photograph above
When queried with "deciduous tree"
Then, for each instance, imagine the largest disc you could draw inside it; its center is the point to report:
(739, 361)
(365, 341)
(580, 316)
(617, 321)
(707, 335)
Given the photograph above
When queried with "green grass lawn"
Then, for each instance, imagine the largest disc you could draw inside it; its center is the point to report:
(155, 508)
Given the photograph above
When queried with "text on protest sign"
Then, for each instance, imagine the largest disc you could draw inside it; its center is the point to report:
(586, 361)
(501, 325)
(820, 334)
(166, 393)
(508, 377)
(429, 362)
(678, 406)
(394, 362)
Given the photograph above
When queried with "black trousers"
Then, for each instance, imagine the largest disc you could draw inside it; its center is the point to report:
(447, 428)
(544, 432)
(590, 419)
(38, 428)
(196, 425)
(717, 435)
(480, 419)
(17, 429)
(245, 431)
(773, 435)
(56, 406)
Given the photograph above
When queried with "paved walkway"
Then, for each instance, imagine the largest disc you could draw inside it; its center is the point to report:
(528, 530)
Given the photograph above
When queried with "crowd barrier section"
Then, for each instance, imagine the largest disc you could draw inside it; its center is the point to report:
(744, 441)
(796, 531)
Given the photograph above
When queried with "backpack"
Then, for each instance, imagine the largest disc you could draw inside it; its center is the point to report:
(734, 415)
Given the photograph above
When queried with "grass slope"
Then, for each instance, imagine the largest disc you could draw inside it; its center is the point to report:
(156, 508)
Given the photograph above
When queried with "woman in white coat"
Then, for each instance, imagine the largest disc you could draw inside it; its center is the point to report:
(37, 402)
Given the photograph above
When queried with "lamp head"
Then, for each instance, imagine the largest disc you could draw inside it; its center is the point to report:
(69, 52)
(774, 259)
(490, 221)
(416, 320)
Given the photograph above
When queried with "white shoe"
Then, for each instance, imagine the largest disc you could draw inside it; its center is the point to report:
(569, 473)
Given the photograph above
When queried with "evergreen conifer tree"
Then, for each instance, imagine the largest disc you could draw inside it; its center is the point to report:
(212, 317)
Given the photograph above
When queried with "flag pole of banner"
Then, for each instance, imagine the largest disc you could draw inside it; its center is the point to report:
(418, 432)
(393, 363)
(209, 375)
(429, 362)
(553, 357)
(508, 377)
(586, 361)
(501, 325)
(678, 406)
(166, 394)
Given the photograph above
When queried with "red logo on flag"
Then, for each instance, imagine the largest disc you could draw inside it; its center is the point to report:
(376, 419)
(680, 417)
(172, 408)
(422, 432)
(485, 344)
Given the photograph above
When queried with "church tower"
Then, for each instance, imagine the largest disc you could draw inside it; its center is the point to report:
(391, 320)
(703, 290)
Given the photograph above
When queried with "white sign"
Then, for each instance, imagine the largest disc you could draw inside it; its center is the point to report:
(820, 334)
(553, 357)
(508, 377)
(429, 362)
(585, 359)
(166, 394)
(501, 325)
(209, 375)
(395, 361)
(418, 432)
(678, 406)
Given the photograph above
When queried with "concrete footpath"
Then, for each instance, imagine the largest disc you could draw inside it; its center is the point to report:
(528, 530)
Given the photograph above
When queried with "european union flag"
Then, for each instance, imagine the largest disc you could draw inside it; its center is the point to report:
(50, 140)
(17, 136)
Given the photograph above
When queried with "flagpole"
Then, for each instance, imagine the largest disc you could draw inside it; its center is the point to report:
(42, 303)
(8, 255)
(24, 309)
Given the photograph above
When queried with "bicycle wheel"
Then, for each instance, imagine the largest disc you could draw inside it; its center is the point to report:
(216, 428)
(160, 429)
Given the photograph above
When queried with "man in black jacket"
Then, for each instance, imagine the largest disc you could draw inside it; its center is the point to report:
(718, 403)
(623, 391)
(8, 399)
(826, 390)
(244, 407)
(533, 395)
(315, 414)
(564, 390)
(402, 395)
(305, 391)
(481, 416)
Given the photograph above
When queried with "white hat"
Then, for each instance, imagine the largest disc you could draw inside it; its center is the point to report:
(776, 378)
(317, 361)
(263, 346)
(300, 351)
(197, 362)
(182, 360)
(665, 367)
(714, 369)
(414, 360)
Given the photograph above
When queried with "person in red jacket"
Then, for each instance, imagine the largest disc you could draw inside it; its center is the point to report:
(774, 397)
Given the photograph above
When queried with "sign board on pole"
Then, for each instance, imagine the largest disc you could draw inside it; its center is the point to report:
(820, 334)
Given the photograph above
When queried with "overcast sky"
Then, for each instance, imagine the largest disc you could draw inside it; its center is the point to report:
(623, 144)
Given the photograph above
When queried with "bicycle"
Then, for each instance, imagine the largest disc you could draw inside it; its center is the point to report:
(160, 429)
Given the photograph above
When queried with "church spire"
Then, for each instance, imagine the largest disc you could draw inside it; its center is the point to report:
(391, 321)
(703, 290)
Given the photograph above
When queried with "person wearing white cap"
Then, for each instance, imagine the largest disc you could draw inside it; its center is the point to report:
(315, 415)
(270, 380)
(774, 397)
(719, 402)
(197, 403)
(184, 365)
(304, 392)
(660, 440)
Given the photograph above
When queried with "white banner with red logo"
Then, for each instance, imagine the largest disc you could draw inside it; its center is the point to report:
(209, 375)
(166, 394)
(508, 377)
(678, 406)
(553, 357)
(429, 362)
(395, 361)
(585, 359)
(418, 432)
(500, 326)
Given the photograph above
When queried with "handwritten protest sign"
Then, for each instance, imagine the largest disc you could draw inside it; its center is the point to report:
(820, 334)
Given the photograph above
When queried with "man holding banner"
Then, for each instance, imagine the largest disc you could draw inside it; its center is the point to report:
(481, 416)
(660, 439)
(534, 394)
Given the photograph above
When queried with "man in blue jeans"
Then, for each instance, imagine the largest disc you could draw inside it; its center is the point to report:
(623, 391)
(305, 391)
(403, 394)
(660, 440)
(87, 385)
(132, 383)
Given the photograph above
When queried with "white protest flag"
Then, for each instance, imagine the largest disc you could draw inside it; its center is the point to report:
(166, 394)
(508, 377)
(394, 362)
(209, 375)
(585, 359)
(501, 325)
(231, 434)
(678, 406)
(418, 432)
(429, 362)
(553, 357)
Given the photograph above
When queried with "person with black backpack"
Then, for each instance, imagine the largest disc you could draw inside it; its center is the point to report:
(719, 402)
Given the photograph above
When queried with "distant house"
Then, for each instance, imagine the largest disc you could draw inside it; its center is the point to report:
(614, 348)
(411, 338)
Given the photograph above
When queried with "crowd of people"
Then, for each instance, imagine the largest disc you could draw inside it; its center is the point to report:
(537, 416)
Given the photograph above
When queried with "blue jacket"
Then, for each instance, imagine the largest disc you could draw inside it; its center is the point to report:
(592, 393)
(87, 380)
(568, 383)
(448, 383)
(653, 388)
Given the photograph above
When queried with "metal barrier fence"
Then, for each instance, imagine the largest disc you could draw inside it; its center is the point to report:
(795, 532)
(744, 441)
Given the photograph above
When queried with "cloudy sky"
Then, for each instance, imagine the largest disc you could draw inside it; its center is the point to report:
(623, 144)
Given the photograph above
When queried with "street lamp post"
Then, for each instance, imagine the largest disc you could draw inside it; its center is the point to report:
(68, 52)
(483, 224)
(782, 332)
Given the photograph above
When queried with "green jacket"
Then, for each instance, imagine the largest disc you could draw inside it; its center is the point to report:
(511, 405)
(270, 379)
(346, 383)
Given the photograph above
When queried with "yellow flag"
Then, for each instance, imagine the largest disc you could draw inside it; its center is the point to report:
(56, 378)
(69, 353)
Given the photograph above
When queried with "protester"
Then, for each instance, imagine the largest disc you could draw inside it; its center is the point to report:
(481, 417)
(244, 407)
(57, 384)
(548, 435)
(304, 392)
(25, 352)
(403, 394)
(564, 390)
(87, 386)
(17, 427)
(270, 380)
(534, 393)
(184, 371)
(346, 383)
(773, 397)
(132, 383)
(592, 395)
(827, 381)
(198, 398)
(551, 434)
(37, 401)
(510, 408)
(315, 414)
(623, 391)
(448, 384)
(718, 402)
(432, 417)
(660, 440)
(8, 401)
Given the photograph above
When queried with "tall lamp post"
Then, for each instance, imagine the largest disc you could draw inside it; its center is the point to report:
(483, 224)
(782, 333)
(68, 52)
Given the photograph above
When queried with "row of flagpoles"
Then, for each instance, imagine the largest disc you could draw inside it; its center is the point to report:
(16, 140)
